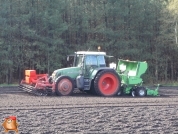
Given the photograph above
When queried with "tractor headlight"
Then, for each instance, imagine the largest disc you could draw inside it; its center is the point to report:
(57, 74)
(53, 75)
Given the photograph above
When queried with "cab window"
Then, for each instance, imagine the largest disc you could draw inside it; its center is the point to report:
(101, 61)
(78, 61)
(91, 60)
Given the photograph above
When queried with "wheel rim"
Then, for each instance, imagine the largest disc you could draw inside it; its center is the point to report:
(65, 86)
(108, 84)
(141, 92)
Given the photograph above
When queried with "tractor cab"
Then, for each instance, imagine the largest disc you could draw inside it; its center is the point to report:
(88, 61)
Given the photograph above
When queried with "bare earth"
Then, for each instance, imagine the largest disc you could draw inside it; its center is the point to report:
(87, 114)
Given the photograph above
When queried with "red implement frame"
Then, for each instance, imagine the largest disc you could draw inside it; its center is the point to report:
(38, 81)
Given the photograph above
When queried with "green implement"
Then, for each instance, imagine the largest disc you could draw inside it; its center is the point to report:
(153, 92)
(130, 73)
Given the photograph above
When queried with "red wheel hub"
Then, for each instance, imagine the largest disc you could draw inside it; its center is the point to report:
(64, 86)
(108, 84)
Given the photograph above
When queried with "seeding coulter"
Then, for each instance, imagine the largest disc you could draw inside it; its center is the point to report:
(90, 74)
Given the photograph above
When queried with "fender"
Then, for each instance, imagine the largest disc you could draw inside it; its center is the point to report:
(54, 83)
(97, 70)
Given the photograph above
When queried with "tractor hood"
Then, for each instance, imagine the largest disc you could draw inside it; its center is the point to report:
(72, 72)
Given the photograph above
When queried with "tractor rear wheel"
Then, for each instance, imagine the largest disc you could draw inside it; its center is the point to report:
(64, 86)
(107, 83)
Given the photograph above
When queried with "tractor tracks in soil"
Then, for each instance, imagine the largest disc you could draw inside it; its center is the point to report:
(83, 113)
(168, 98)
(82, 106)
(136, 104)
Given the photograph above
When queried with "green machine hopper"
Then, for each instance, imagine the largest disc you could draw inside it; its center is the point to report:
(130, 73)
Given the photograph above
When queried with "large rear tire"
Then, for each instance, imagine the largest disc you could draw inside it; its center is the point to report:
(64, 86)
(107, 83)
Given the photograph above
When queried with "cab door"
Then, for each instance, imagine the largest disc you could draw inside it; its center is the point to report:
(91, 62)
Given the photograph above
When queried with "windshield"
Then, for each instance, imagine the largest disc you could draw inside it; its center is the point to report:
(78, 60)
(97, 60)
(91, 60)
(101, 61)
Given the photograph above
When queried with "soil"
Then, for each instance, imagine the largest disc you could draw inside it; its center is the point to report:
(87, 114)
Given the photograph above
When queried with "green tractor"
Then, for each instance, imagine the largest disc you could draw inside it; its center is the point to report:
(90, 74)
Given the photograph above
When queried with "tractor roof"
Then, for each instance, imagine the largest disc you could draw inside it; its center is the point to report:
(90, 53)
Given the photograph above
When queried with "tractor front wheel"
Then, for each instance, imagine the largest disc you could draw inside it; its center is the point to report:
(107, 83)
(64, 86)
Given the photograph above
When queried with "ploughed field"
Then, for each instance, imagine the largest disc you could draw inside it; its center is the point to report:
(83, 113)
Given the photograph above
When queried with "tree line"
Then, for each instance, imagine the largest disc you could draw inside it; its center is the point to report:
(39, 34)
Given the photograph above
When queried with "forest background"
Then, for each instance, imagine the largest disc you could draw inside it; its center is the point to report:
(39, 34)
